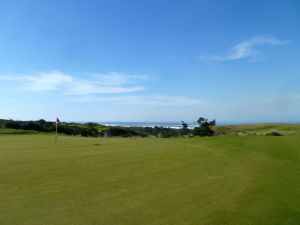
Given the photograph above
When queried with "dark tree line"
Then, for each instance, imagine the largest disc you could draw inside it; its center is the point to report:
(92, 129)
(40, 125)
(204, 128)
(44, 126)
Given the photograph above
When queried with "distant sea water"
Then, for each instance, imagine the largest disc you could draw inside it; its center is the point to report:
(175, 125)
(143, 124)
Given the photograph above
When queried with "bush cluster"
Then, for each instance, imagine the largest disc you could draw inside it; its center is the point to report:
(92, 129)
(86, 130)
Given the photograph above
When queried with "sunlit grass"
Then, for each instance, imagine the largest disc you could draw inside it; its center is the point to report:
(219, 180)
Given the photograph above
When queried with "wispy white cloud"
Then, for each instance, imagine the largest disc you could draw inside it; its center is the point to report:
(118, 79)
(111, 88)
(111, 83)
(157, 100)
(250, 49)
(46, 81)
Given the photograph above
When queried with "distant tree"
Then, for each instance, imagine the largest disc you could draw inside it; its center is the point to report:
(90, 124)
(89, 132)
(213, 123)
(201, 120)
(121, 132)
(13, 124)
(42, 122)
(184, 128)
(204, 128)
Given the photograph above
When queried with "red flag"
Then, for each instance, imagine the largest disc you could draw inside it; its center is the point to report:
(57, 120)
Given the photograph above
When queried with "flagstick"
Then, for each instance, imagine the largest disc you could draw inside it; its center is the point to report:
(55, 132)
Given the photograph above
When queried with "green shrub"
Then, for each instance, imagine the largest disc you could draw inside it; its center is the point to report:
(274, 133)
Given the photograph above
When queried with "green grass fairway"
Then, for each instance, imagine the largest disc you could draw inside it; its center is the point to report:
(233, 180)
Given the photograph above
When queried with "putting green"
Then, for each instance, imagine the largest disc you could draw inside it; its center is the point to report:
(91, 181)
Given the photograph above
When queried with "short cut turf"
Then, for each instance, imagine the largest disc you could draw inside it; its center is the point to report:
(232, 180)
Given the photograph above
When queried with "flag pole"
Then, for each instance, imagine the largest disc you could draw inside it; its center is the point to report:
(55, 131)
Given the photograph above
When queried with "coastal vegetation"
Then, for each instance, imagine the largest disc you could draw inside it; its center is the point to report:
(204, 128)
(98, 130)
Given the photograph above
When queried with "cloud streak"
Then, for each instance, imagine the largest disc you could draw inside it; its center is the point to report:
(156, 100)
(113, 88)
(111, 83)
(250, 49)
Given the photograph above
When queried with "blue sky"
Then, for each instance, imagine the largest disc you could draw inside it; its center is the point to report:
(236, 61)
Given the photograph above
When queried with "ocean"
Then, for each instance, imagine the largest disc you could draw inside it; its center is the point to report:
(146, 124)
(175, 125)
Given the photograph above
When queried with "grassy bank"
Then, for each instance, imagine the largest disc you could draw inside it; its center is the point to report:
(4, 131)
(258, 129)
